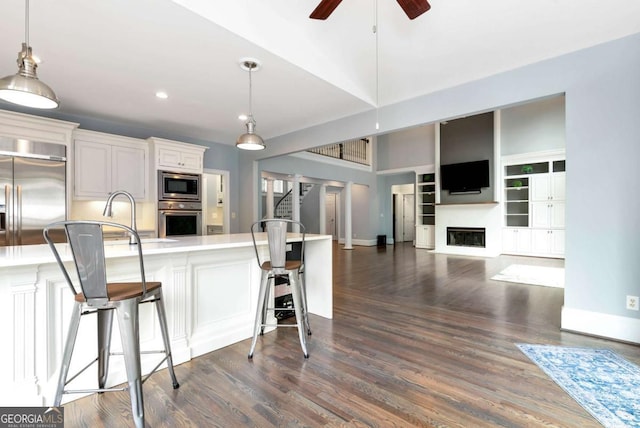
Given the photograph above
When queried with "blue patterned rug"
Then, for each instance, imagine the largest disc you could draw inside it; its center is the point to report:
(606, 385)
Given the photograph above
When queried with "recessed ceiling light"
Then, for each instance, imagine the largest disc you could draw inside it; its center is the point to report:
(243, 117)
(162, 95)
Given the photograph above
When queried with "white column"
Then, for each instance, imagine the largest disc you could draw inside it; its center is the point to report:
(295, 201)
(323, 209)
(270, 213)
(497, 170)
(347, 217)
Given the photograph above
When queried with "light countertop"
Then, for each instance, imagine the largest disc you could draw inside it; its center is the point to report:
(26, 255)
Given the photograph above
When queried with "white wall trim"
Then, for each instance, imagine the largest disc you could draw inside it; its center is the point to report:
(600, 324)
(361, 242)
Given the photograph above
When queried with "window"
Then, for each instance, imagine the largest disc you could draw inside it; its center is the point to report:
(278, 186)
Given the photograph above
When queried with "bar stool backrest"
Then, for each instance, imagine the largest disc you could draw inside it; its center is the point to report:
(277, 238)
(86, 241)
(277, 241)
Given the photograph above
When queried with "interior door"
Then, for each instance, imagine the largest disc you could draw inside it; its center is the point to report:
(212, 203)
(408, 218)
(330, 209)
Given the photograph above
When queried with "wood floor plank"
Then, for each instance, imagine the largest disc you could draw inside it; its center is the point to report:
(417, 339)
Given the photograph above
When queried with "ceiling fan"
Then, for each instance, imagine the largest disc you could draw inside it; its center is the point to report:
(413, 8)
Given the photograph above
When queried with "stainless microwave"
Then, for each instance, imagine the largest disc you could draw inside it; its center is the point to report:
(174, 186)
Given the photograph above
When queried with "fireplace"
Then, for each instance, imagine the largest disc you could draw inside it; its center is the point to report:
(466, 236)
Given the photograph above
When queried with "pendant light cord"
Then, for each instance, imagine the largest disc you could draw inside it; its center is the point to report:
(375, 31)
(26, 24)
(250, 65)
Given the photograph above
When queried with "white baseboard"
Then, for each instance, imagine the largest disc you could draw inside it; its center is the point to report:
(361, 242)
(599, 324)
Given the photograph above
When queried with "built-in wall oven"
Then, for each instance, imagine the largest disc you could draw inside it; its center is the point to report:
(179, 204)
(179, 218)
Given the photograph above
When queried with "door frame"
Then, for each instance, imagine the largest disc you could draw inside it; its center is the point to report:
(226, 209)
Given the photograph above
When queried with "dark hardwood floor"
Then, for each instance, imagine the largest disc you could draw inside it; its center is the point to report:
(417, 339)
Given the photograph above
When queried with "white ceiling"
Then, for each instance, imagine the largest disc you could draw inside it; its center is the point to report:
(106, 59)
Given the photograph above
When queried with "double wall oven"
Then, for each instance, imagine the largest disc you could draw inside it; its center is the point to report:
(179, 204)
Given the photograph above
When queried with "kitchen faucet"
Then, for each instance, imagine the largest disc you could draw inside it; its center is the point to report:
(108, 212)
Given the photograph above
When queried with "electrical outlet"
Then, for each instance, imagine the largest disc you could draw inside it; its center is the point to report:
(632, 303)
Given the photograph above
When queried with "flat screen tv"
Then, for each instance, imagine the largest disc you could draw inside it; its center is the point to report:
(465, 177)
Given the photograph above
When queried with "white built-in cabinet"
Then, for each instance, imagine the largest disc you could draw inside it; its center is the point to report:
(104, 163)
(426, 236)
(548, 200)
(534, 205)
(176, 156)
(425, 210)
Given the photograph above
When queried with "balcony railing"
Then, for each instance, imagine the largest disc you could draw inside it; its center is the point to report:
(353, 151)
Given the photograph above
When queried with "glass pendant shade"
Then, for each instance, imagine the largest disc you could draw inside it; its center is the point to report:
(250, 140)
(24, 88)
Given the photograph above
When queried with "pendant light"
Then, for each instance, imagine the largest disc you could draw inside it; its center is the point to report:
(24, 88)
(250, 140)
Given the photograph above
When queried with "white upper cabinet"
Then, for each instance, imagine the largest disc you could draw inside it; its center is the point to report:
(104, 163)
(175, 156)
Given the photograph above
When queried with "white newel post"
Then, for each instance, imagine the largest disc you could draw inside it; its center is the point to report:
(323, 209)
(295, 201)
(347, 217)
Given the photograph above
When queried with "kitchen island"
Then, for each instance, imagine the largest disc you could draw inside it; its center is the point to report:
(210, 286)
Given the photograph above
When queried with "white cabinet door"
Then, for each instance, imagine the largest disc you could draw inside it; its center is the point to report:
(546, 187)
(168, 158)
(540, 214)
(179, 161)
(516, 241)
(540, 241)
(540, 187)
(425, 236)
(556, 214)
(105, 163)
(548, 242)
(557, 243)
(547, 214)
(92, 175)
(129, 171)
(557, 186)
(192, 161)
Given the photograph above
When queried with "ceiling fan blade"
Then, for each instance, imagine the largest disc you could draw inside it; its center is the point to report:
(414, 8)
(324, 9)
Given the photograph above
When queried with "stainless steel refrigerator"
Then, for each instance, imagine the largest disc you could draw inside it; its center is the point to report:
(32, 190)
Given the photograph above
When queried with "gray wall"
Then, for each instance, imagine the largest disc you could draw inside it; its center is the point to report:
(533, 127)
(468, 139)
(406, 148)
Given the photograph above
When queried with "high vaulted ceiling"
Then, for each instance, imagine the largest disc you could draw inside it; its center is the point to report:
(106, 59)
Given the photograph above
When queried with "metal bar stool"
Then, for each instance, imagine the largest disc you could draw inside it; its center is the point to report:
(96, 295)
(277, 266)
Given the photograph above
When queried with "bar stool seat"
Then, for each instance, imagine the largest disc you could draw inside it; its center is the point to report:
(278, 266)
(94, 295)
